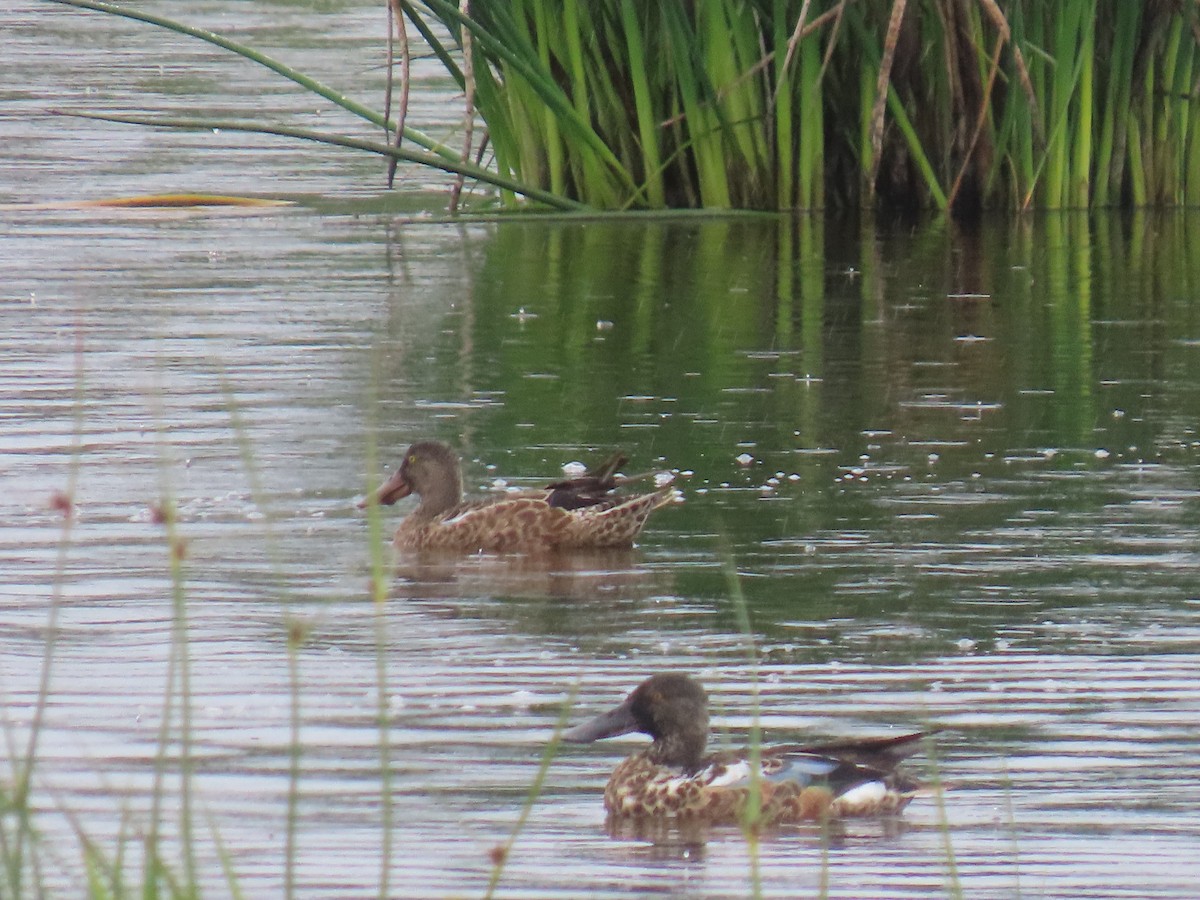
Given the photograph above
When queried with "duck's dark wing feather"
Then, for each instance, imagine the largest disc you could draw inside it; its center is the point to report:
(877, 753)
(590, 488)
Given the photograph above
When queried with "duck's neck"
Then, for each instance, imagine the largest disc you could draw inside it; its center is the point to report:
(682, 749)
(443, 493)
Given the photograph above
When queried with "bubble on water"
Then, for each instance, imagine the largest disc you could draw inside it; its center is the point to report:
(522, 699)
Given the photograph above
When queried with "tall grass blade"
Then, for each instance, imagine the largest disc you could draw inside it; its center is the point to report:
(647, 120)
(309, 84)
(226, 860)
(752, 814)
(501, 853)
(953, 882)
(20, 851)
(883, 78)
(776, 104)
(383, 149)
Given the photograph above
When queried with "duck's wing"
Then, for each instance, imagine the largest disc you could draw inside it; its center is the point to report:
(778, 765)
(879, 753)
(595, 486)
(855, 771)
(861, 775)
(588, 489)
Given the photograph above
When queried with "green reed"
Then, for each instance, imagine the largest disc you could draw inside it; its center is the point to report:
(168, 866)
(297, 630)
(919, 104)
(500, 853)
(18, 832)
(793, 104)
(108, 874)
(431, 155)
(380, 579)
(751, 819)
(953, 884)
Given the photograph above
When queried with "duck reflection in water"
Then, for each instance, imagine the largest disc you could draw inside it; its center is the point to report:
(578, 593)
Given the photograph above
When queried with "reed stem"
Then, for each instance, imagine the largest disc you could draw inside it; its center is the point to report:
(778, 104)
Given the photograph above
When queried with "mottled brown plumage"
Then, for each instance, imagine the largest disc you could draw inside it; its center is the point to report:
(794, 783)
(571, 514)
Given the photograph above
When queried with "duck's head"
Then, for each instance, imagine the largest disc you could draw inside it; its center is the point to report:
(429, 469)
(671, 707)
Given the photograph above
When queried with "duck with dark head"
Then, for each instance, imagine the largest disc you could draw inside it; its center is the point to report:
(673, 777)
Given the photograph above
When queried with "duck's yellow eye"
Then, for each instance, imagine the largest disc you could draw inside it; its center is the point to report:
(412, 457)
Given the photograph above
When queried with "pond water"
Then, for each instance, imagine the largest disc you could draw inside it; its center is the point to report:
(932, 478)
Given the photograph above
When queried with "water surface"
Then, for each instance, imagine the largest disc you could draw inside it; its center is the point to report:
(955, 473)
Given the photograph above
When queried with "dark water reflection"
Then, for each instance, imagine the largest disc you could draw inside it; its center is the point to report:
(955, 473)
(975, 512)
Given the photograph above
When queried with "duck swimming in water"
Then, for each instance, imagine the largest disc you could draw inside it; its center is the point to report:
(796, 783)
(573, 514)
